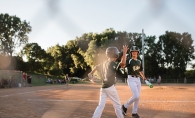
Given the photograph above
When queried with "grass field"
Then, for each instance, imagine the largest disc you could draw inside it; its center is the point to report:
(40, 80)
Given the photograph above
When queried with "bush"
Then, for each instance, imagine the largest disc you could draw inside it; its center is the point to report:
(74, 80)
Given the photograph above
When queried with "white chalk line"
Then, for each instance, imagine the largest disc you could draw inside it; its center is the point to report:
(143, 101)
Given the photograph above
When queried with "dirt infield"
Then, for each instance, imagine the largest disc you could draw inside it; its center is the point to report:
(80, 101)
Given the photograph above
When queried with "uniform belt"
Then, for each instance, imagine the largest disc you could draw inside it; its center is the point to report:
(136, 76)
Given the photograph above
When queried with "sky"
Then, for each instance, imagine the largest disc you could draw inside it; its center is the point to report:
(58, 21)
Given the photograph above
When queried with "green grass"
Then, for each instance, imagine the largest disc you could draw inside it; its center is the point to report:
(40, 80)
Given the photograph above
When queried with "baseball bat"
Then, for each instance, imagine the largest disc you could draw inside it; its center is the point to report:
(148, 83)
(91, 78)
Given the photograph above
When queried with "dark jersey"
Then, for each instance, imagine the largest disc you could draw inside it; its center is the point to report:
(134, 67)
(107, 71)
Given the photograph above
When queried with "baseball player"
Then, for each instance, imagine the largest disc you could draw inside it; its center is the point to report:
(159, 79)
(66, 79)
(107, 70)
(134, 71)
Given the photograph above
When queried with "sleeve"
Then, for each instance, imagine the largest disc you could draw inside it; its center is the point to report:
(114, 65)
(118, 64)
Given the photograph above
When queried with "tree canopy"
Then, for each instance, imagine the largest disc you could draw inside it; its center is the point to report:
(166, 55)
(162, 57)
(13, 33)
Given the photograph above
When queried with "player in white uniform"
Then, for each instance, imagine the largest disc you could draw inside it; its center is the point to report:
(134, 71)
(107, 70)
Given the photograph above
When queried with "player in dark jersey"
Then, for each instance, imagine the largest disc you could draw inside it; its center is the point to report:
(107, 70)
(134, 71)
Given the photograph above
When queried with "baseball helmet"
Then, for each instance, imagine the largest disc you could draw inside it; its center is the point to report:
(134, 48)
(112, 52)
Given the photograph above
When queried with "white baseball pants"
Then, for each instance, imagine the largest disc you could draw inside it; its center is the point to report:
(135, 87)
(111, 93)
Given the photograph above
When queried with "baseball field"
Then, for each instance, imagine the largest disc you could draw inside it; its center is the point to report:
(80, 101)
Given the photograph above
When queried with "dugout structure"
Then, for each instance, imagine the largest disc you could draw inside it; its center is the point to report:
(10, 78)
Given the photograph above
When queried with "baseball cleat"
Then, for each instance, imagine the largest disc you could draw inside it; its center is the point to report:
(124, 110)
(135, 116)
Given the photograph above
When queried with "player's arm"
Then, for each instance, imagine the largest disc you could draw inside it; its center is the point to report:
(90, 75)
(146, 81)
(141, 72)
(123, 59)
(142, 75)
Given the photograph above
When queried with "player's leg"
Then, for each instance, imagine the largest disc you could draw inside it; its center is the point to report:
(24, 83)
(67, 82)
(135, 105)
(113, 95)
(99, 109)
(133, 87)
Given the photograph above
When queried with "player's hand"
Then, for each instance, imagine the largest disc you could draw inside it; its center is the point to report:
(125, 48)
(92, 81)
(148, 83)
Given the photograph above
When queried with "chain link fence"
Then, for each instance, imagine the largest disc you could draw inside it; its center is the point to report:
(10, 78)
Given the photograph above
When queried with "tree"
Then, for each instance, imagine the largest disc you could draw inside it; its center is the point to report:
(190, 75)
(48, 62)
(56, 53)
(84, 40)
(78, 65)
(177, 51)
(90, 54)
(151, 57)
(35, 56)
(13, 33)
